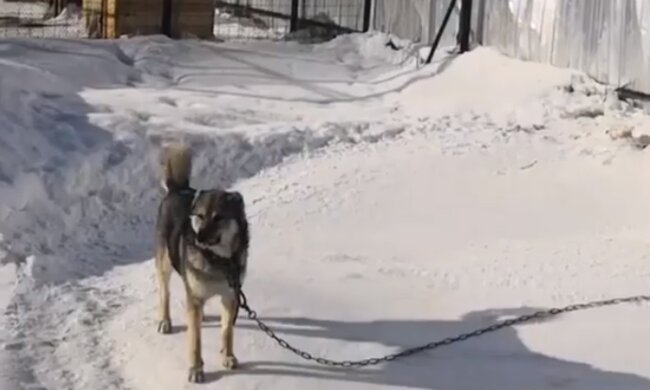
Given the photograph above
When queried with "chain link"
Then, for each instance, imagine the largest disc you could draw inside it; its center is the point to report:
(526, 318)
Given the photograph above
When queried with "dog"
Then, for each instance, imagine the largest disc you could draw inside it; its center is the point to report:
(201, 234)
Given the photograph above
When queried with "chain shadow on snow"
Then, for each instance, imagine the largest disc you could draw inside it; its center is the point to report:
(494, 361)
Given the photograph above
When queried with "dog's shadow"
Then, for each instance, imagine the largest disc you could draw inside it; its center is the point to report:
(498, 360)
(209, 321)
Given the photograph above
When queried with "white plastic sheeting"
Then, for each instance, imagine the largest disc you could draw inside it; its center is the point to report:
(607, 39)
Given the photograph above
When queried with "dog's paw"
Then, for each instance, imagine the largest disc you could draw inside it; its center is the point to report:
(165, 326)
(229, 362)
(196, 375)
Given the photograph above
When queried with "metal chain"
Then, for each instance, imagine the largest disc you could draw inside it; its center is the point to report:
(243, 303)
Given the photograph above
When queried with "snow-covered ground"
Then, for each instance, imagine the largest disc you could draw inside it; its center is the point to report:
(391, 205)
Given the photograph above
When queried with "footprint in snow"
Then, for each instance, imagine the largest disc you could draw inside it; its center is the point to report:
(168, 101)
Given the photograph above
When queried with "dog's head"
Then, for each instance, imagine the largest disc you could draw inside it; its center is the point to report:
(217, 218)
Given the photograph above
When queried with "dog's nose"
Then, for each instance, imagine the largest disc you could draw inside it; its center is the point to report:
(201, 236)
(204, 237)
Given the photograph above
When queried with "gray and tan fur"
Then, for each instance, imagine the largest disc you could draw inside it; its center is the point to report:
(197, 233)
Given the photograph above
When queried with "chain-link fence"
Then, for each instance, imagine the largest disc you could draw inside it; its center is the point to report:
(37, 19)
(301, 19)
(233, 19)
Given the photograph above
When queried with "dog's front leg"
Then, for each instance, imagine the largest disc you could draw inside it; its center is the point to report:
(228, 313)
(194, 314)
(163, 274)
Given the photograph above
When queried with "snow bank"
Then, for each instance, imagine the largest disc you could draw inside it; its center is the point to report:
(486, 83)
(70, 169)
(46, 133)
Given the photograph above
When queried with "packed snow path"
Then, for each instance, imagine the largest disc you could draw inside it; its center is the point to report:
(390, 206)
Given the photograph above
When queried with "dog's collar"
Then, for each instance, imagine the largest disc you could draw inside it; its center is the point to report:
(231, 268)
(197, 193)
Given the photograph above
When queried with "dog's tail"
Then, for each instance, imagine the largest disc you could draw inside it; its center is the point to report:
(176, 167)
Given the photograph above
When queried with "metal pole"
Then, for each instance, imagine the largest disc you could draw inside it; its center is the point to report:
(465, 24)
(480, 22)
(167, 18)
(367, 7)
(295, 8)
(436, 42)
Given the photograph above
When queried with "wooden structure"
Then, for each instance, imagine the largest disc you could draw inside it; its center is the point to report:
(175, 18)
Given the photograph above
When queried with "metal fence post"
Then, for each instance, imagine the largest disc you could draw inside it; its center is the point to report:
(465, 25)
(436, 41)
(480, 26)
(295, 8)
(167, 18)
(367, 8)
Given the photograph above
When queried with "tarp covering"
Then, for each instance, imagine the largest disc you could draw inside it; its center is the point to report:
(608, 39)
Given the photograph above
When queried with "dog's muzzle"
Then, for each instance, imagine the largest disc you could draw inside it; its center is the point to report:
(208, 238)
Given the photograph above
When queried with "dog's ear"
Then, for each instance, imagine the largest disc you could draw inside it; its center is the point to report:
(236, 200)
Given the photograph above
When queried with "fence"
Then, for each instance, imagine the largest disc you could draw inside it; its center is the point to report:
(43, 20)
(244, 19)
(279, 18)
(607, 39)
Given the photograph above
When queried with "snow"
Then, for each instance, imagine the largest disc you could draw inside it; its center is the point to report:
(391, 205)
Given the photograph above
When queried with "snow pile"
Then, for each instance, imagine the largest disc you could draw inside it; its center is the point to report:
(511, 92)
(368, 50)
(46, 135)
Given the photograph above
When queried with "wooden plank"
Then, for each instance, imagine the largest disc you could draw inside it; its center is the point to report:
(111, 20)
(137, 17)
(91, 5)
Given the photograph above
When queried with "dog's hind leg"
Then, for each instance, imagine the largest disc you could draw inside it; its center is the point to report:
(194, 314)
(229, 308)
(163, 274)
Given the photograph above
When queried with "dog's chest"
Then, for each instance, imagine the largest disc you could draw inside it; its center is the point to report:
(206, 277)
(205, 288)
